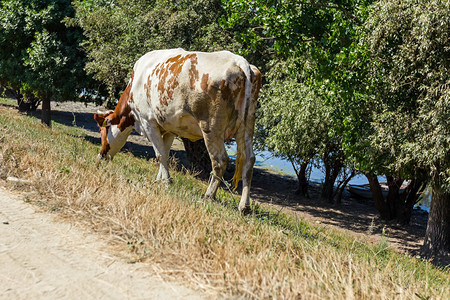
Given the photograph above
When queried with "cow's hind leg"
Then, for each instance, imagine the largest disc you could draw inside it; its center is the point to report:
(219, 161)
(244, 138)
(247, 174)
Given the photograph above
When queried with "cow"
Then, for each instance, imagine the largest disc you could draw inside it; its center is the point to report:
(193, 95)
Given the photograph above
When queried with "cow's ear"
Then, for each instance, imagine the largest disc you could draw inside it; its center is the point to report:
(101, 119)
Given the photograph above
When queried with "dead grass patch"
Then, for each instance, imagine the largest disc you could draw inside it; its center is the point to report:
(263, 255)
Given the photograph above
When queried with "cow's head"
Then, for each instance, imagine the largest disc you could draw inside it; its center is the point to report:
(104, 125)
(113, 138)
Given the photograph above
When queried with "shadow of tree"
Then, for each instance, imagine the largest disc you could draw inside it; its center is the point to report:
(360, 217)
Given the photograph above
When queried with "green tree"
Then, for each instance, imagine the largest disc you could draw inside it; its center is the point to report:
(40, 56)
(311, 35)
(290, 121)
(410, 49)
(294, 123)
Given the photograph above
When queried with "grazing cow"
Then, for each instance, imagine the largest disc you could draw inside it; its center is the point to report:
(194, 95)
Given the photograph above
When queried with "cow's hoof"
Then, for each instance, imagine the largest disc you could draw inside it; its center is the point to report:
(244, 210)
(163, 181)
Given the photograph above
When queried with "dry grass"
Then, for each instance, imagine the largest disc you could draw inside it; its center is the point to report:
(263, 255)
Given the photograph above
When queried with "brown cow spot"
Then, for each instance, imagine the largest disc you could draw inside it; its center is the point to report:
(162, 79)
(148, 88)
(126, 93)
(126, 121)
(122, 111)
(204, 82)
(174, 59)
(193, 72)
(156, 70)
(129, 97)
(168, 73)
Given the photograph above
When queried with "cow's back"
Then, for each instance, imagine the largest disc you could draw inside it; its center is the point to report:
(182, 90)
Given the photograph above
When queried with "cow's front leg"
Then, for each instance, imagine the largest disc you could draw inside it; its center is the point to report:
(219, 161)
(163, 158)
(161, 146)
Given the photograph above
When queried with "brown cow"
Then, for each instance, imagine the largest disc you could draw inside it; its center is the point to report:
(194, 95)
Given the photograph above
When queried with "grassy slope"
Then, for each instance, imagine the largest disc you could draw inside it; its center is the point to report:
(264, 255)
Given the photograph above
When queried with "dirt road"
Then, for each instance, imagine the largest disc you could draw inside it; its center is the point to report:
(42, 258)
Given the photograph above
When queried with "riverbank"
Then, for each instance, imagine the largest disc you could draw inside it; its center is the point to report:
(266, 254)
(276, 190)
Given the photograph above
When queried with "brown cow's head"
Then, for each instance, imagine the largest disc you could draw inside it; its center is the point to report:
(114, 131)
(104, 125)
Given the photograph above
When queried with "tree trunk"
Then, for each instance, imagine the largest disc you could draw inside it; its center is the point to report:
(341, 187)
(46, 117)
(331, 173)
(437, 237)
(27, 104)
(302, 180)
(407, 200)
(394, 201)
(198, 157)
(378, 198)
(23, 106)
(397, 206)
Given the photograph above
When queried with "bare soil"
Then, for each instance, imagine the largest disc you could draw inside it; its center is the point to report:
(43, 258)
(356, 216)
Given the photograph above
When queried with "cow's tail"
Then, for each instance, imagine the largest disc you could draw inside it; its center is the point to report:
(240, 134)
(240, 155)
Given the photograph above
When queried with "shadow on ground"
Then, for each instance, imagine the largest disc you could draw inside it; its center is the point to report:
(352, 214)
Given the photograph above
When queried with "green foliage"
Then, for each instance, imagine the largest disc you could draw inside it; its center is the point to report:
(297, 118)
(409, 43)
(295, 28)
(40, 55)
(293, 121)
(119, 32)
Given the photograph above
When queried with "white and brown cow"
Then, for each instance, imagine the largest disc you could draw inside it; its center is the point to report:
(193, 95)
